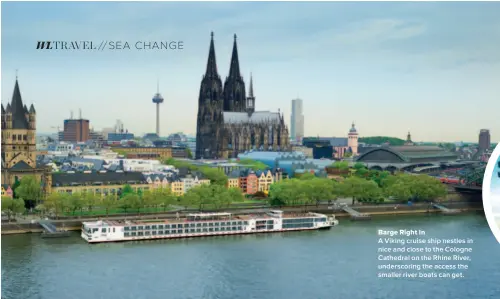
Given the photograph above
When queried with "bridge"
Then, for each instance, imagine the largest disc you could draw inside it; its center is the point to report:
(51, 230)
(472, 180)
(355, 215)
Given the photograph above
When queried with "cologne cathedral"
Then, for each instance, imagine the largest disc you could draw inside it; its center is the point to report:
(227, 122)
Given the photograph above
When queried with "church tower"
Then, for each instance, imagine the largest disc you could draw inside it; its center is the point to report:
(234, 86)
(18, 134)
(352, 140)
(210, 104)
(408, 139)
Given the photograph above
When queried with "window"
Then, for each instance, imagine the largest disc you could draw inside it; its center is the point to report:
(179, 231)
(160, 226)
(103, 230)
(160, 232)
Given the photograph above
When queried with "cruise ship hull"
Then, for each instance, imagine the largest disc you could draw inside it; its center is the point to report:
(214, 234)
(204, 225)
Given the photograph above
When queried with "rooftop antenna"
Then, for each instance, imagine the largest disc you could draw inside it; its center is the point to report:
(80, 113)
(71, 114)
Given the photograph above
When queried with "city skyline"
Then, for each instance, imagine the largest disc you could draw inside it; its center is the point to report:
(390, 67)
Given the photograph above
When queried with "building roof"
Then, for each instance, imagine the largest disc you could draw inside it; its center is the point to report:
(19, 120)
(256, 117)
(21, 165)
(97, 178)
(407, 154)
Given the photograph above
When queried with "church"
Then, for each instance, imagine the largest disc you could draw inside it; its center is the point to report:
(19, 155)
(227, 123)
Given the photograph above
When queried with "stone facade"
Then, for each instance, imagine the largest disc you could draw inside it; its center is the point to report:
(19, 155)
(227, 123)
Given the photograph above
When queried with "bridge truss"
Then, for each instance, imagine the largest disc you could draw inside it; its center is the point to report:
(474, 177)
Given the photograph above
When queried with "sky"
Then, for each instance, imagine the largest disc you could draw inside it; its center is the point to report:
(429, 68)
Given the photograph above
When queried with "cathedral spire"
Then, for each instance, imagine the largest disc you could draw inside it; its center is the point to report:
(211, 63)
(234, 70)
(250, 93)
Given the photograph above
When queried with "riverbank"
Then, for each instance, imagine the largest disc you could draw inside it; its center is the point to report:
(73, 224)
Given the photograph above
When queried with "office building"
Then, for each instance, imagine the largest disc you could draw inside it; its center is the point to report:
(297, 121)
(484, 139)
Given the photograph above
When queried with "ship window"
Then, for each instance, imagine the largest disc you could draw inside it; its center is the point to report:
(179, 231)
(239, 227)
(113, 229)
(205, 229)
(179, 225)
(140, 233)
(126, 228)
(217, 229)
(210, 224)
(198, 224)
(167, 226)
(147, 233)
(204, 224)
(174, 226)
(211, 229)
(217, 223)
(153, 226)
(192, 225)
(160, 226)
(154, 233)
(133, 234)
(140, 228)
(126, 234)
(147, 227)
(198, 230)
(192, 230)
(245, 222)
(103, 230)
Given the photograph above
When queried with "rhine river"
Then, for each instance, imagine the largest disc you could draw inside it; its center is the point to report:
(340, 263)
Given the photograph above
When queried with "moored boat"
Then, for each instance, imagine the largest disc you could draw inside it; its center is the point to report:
(204, 224)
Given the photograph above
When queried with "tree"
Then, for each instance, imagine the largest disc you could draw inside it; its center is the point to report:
(252, 164)
(127, 201)
(189, 154)
(165, 197)
(42, 209)
(29, 189)
(75, 202)
(127, 189)
(359, 188)
(347, 154)
(307, 176)
(358, 166)
(57, 202)
(415, 187)
(379, 140)
(216, 176)
(134, 201)
(108, 202)
(12, 206)
(90, 200)
(341, 165)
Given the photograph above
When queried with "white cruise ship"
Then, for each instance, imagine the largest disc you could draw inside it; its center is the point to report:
(204, 224)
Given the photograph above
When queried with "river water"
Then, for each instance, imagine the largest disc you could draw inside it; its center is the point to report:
(339, 263)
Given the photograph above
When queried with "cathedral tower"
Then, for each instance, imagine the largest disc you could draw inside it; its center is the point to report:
(210, 104)
(234, 86)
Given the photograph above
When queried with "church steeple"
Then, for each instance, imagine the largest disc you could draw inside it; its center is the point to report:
(212, 62)
(234, 70)
(250, 93)
(234, 86)
(19, 111)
